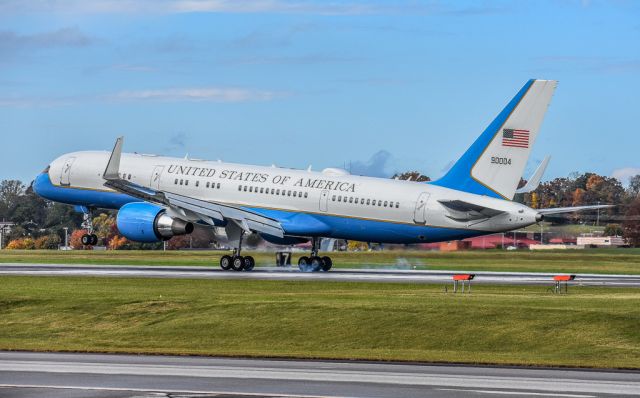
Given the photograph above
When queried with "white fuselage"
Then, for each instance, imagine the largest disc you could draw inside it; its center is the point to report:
(332, 192)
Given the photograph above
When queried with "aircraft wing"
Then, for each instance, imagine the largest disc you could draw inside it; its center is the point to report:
(535, 179)
(464, 211)
(209, 212)
(559, 210)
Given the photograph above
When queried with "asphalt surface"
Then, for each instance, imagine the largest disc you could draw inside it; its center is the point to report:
(24, 374)
(291, 273)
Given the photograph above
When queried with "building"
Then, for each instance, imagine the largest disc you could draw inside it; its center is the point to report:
(601, 241)
(5, 229)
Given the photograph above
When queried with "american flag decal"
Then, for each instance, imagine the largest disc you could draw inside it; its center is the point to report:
(515, 138)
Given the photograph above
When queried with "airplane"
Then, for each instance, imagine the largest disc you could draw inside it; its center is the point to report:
(160, 197)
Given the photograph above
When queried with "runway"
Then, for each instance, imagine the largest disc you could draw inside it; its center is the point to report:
(286, 273)
(96, 375)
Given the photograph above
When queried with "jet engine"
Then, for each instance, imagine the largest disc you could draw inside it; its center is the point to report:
(145, 222)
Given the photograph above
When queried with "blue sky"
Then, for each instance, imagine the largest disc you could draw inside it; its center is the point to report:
(377, 86)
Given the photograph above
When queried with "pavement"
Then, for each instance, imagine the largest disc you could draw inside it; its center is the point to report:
(292, 273)
(54, 375)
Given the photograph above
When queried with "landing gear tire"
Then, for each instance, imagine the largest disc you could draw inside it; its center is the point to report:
(327, 263)
(225, 262)
(89, 239)
(249, 263)
(304, 263)
(238, 263)
(316, 264)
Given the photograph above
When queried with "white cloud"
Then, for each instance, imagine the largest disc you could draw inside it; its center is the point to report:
(202, 94)
(213, 94)
(625, 173)
(186, 6)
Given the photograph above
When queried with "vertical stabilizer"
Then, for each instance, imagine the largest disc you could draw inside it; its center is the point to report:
(494, 163)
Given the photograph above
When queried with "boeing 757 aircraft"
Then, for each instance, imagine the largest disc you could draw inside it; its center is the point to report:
(160, 197)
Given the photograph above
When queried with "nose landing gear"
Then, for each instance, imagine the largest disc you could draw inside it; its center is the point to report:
(315, 263)
(89, 239)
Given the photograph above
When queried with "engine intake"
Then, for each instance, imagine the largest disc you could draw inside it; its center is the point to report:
(145, 222)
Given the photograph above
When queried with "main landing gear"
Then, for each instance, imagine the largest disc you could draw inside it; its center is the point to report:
(315, 263)
(89, 239)
(236, 262)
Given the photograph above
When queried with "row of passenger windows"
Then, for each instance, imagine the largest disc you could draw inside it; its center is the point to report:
(186, 182)
(273, 191)
(363, 201)
(125, 176)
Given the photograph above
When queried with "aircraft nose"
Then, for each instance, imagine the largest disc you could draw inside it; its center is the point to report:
(39, 183)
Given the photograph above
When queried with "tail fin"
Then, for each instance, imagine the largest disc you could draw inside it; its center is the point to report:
(494, 163)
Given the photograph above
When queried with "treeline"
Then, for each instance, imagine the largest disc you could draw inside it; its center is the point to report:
(40, 223)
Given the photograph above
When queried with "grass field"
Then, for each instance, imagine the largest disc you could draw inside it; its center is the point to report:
(616, 261)
(592, 327)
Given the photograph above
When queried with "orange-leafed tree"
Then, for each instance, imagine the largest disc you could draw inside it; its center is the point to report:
(75, 240)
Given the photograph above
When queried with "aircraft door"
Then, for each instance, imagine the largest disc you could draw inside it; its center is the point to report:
(66, 171)
(324, 200)
(155, 177)
(420, 212)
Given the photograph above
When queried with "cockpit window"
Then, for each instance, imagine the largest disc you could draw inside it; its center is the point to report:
(46, 169)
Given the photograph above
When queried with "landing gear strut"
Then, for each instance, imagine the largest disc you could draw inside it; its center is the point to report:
(237, 262)
(315, 263)
(89, 239)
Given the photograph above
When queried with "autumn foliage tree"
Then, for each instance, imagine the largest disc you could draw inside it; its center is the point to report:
(631, 225)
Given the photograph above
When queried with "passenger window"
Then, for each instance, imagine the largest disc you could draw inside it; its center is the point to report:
(245, 188)
(273, 190)
(239, 187)
(278, 192)
(198, 183)
(333, 198)
(362, 201)
(385, 203)
(373, 202)
(261, 190)
(397, 205)
(129, 176)
(250, 189)
(350, 199)
(217, 186)
(176, 181)
(307, 194)
(207, 185)
(379, 203)
(181, 182)
(288, 193)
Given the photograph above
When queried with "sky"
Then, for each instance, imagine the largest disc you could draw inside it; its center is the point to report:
(377, 87)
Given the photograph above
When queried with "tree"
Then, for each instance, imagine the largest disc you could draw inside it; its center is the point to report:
(613, 230)
(634, 185)
(47, 242)
(631, 225)
(412, 176)
(75, 240)
(10, 193)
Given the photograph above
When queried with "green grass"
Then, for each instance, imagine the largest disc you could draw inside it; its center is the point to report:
(601, 261)
(592, 327)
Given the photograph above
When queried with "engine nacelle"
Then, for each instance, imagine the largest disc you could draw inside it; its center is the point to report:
(145, 222)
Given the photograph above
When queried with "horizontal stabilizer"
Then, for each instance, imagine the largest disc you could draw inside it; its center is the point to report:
(534, 181)
(559, 210)
(465, 211)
